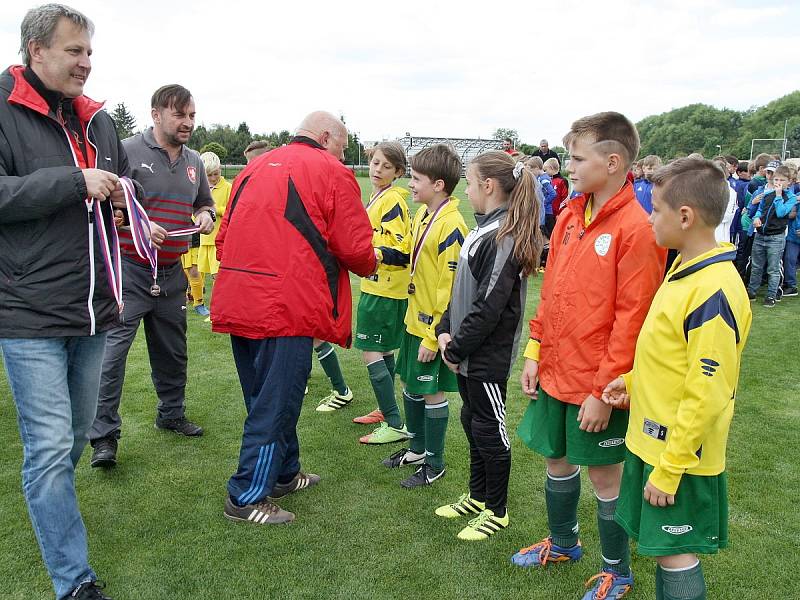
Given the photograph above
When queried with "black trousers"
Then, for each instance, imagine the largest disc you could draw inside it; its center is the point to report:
(483, 416)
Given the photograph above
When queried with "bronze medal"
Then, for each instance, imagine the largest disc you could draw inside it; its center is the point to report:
(155, 290)
(411, 289)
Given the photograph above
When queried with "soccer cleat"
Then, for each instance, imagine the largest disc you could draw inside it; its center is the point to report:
(300, 481)
(376, 416)
(104, 454)
(789, 292)
(609, 585)
(403, 457)
(385, 434)
(465, 505)
(91, 590)
(544, 552)
(423, 476)
(335, 401)
(182, 426)
(201, 310)
(483, 526)
(769, 302)
(259, 513)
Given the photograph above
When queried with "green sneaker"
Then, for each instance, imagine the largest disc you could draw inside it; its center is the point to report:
(335, 401)
(384, 434)
(462, 507)
(483, 526)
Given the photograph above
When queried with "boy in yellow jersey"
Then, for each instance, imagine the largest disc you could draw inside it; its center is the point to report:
(682, 387)
(437, 234)
(207, 262)
(384, 295)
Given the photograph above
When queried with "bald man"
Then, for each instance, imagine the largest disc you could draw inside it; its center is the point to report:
(294, 228)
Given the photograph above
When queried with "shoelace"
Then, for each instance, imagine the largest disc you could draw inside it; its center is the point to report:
(328, 398)
(481, 519)
(460, 502)
(268, 507)
(544, 547)
(605, 585)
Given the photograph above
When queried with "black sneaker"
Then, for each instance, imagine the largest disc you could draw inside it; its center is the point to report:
(751, 295)
(425, 475)
(301, 481)
(105, 453)
(183, 426)
(789, 291)
(769, 302)
(779, 294)
(403, 457)
(259, 513)
(90, 591)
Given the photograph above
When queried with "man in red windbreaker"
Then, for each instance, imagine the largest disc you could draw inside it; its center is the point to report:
(294, 227)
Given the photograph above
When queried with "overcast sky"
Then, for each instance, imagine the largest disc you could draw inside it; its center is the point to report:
(438, 67)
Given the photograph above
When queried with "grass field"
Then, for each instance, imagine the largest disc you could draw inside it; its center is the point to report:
(156, 527)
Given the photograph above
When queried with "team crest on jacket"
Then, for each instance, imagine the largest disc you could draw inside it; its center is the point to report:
(192, 173)
(602, 244)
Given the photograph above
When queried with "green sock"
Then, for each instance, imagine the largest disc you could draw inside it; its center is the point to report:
(614, 545)
(390, 366)
(659, 584)
(435, 429)
(561, 496)
(383, 386)
(330, 364)
(685, 584)
(415, 421)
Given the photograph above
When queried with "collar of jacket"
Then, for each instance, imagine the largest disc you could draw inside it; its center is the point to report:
(624, 196)
(724, 252)
(24, 94)
(302, 139)
(483, 219)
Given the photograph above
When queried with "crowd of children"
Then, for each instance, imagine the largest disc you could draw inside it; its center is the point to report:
(608, 324)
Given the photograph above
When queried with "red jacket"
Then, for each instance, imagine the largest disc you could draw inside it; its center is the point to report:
(597, 289)
(561, 187)
(294, 227)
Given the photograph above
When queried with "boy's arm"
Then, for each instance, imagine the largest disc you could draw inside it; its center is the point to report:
(712, 334)
(448, 249)
(640, 270)
(784, 206)
(548, 190)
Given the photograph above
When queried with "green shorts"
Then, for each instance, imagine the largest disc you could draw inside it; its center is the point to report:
(697, 523)
(423, 378)
(379, 323)
(550, 428)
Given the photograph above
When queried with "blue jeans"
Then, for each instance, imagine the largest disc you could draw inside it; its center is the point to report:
(790, 263)
(767, 250)
(55, 382)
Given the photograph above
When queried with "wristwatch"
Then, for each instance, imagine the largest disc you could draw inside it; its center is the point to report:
(210, 210)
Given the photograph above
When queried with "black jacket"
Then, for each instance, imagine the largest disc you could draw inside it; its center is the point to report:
(44, 223)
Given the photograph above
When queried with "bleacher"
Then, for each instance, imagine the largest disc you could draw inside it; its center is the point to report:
(466, 148)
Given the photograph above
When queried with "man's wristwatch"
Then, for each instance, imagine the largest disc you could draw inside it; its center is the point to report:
(212, 213)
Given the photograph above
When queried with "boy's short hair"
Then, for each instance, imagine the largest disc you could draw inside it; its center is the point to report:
(211, 162)
(743, 167)
(393, 152)
(732, 160)
(761, 161)
(553, 164)
(783, 170)
(611, 129)
(534, 162)
(695, 182)
(257, 145)
(438, 162)
(651, 160)
(171, 96)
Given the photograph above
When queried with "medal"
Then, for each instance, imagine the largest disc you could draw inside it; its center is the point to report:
(155, 290)
(411, 289)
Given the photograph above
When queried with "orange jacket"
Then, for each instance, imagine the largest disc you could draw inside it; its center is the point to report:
(599, 284)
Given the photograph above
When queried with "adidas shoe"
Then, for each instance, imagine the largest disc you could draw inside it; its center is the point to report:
(423, 476)
(335, 401)
(259, 513)
(385, 434)
(484, 525)
(376, 416)
(90, 590)
(461, 507)
(789, 292)
(544, 552)
(403, 457)
(301, 481)
(609, 585)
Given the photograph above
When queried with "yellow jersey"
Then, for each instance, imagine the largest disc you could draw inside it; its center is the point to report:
(388, 215)
(220, 193)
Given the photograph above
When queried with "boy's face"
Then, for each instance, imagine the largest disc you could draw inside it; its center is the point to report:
(381, 171)
(588, 169)
(768, 175)
(423, 189)
(648, 171)
(780, 182)
(744, 175)
(637, 172)
(665, 221)
(214, 177)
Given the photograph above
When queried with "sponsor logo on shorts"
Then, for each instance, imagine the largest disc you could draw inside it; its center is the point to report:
(425, 378)
(612, 442)
(362, 336)
(677, 529)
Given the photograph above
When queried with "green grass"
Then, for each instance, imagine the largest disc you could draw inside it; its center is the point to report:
(156, 527)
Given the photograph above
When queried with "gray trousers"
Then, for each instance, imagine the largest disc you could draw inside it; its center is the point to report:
(165, 331)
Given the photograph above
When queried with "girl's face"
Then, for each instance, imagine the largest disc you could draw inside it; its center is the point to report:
(476, 189)
(381, 171)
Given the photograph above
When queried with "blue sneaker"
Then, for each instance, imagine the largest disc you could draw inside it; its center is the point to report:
(609, 585)
(201, 310)
(545, 552)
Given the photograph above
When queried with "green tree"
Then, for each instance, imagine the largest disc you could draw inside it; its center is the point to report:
(502, 133)
(217, 149)
(124, 122)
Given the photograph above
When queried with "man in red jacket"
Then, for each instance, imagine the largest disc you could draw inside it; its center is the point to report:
(294, 227)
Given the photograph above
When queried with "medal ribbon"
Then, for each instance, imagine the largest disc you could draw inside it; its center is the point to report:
(377, 195)
(140, 221)
(112, 258)
(418, 245)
